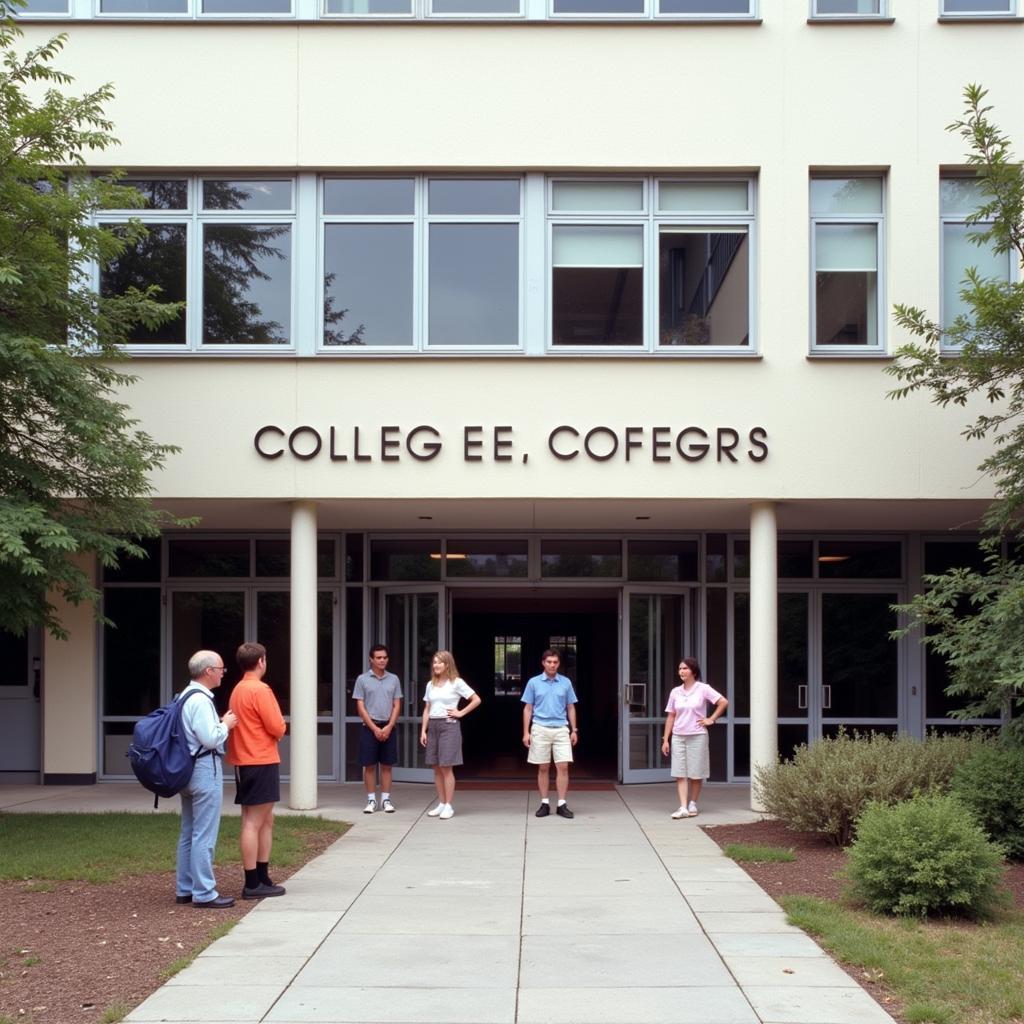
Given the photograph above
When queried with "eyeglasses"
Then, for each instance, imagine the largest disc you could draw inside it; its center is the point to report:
(216, 668)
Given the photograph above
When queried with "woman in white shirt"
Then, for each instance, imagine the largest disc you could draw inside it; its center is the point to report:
(441, 733)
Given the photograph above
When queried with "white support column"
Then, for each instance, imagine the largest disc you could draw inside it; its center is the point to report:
(304, 660)
(764, 589)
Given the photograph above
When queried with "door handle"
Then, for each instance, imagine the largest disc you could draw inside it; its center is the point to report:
(801, 696)
(826, 697)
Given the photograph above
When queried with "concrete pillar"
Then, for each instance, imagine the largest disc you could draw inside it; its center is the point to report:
(303, 660)
(764, 589)
(70, 693)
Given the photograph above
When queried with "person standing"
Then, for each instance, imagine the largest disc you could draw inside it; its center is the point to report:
(549, 730)
(201, 799)
(687, 722)
(253, 750)
(441, 732)
(378, 697)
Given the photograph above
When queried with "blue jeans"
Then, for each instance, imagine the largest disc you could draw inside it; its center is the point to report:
(200, 823)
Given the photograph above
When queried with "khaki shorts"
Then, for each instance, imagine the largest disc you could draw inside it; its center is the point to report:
(690, 757)
(549, 743)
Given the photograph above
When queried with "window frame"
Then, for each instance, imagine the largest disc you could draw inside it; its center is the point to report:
(194, 12)
(653, 220)
(652, 12)
(882, 14)
(421, 220)
(878, 221)
(195, 217)
(959, 217)
(1011, 14)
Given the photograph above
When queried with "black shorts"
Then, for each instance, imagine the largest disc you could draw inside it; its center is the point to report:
(257, 784)
(372, 751)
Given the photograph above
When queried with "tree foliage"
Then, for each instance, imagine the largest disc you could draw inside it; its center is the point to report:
(975, 620)
(74, 468)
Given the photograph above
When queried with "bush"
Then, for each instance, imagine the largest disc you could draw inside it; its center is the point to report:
(991, 784)
(827, 785)
(924, 856)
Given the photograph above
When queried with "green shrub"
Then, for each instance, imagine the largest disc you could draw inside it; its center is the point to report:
(991, 784)
(924, 856)
(827, 785)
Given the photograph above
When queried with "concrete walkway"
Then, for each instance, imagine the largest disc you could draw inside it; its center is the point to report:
(619, 916)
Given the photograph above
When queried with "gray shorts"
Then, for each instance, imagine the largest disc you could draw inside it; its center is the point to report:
(690, 756)
(444, 742)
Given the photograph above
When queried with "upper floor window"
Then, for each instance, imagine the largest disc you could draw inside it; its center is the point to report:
(50, 7)
(690, 238)
(697, 9)
(958, 199)
(223, 246)
(421, 262)
(217, 8)
(979, 8)
(849, 8)
(846, 262)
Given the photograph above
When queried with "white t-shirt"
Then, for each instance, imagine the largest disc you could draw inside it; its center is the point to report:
(441, 698)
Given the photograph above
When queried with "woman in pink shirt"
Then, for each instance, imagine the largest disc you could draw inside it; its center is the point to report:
(687, 722)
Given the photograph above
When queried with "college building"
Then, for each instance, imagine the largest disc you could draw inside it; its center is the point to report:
(523, 323)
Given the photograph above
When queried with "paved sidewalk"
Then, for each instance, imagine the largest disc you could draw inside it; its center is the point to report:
(496, 916)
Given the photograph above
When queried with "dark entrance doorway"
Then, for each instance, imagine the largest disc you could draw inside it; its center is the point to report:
(498, 641)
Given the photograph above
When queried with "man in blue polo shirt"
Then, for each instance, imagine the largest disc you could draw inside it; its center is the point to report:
(549, 730)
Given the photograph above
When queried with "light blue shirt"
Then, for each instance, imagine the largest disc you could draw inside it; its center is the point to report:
(550, 697)
(203, 728)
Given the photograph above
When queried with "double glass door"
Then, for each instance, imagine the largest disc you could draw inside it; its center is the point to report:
(412, 624)
(836, 664)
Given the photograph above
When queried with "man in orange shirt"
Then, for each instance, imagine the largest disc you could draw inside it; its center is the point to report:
(252, 749)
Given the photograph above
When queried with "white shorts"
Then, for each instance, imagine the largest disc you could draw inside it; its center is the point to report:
(549, 743)
(690, 756)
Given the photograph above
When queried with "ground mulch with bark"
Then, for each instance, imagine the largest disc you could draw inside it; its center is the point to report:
(73, 952)
(817, 871)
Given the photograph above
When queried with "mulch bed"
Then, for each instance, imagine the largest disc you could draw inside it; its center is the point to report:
(69, 954)
(815, 873)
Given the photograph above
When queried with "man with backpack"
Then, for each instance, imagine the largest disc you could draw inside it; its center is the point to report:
(201, 798)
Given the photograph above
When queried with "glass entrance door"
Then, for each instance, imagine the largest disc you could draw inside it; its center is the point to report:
(836, 665)
(655, 637)
(412, 626)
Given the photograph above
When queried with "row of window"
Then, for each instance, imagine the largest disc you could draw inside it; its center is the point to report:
(696, 9)
(508, 264)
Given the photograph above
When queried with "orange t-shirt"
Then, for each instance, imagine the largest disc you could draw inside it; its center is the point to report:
(260, 723)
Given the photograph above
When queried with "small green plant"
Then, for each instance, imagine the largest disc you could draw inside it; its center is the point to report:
(758, 854)
(30, 961)
(991, 784)
(115, 1012)
(924, 856)
(825, 787)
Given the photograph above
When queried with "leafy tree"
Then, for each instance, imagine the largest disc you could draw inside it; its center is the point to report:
(975, 619)
(74, 468)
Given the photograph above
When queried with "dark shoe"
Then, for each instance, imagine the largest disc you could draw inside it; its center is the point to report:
(220, 903)
(544, 810)
(259, 891)
(182, 900)
(564, 812)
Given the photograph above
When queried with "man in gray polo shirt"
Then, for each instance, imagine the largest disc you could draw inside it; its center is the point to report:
(378, 697)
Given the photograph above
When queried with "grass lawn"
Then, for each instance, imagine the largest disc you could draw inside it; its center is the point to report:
(102, 848)
(943, 972)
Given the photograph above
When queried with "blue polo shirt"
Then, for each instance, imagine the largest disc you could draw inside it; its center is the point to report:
(550, 698)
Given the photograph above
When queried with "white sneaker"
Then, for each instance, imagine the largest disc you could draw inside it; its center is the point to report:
(681, 813)
(693, 809)
(389, 807)
(436, 811)
(371, 806)
(447, 812)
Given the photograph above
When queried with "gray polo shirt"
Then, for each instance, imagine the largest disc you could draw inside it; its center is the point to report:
(377, 694)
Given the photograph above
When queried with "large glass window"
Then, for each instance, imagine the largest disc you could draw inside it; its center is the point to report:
(374, 272)
(846, 254)
(224, 243)
(959, 198)
(601, 234)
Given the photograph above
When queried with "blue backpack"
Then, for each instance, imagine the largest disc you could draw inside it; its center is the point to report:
(159, 753)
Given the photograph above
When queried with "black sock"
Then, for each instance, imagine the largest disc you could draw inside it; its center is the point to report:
(252, 878)
(263, 871)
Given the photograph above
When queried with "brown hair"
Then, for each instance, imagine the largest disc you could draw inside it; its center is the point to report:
(549, 653)
(693, 665)
(249, 654)
(450, 669)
